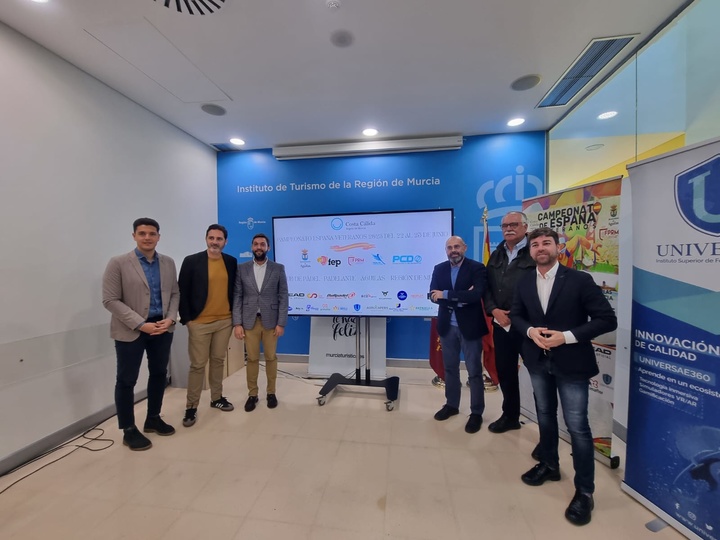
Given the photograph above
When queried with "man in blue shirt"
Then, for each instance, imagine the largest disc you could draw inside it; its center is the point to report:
(140, 290)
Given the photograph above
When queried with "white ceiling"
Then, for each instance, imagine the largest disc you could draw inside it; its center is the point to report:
(414, 68)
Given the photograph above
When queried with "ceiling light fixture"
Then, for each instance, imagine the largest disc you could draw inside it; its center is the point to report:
(516, 122)
(606, 115)
(370, 132)
(40, 1)
(237, 142)
(594, 147)
(396, 146)
(525, 83)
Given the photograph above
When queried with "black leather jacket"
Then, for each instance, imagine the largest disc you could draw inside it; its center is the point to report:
(502, 277)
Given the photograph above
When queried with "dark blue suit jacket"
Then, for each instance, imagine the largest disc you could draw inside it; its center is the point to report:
(465, 298)
(576, 304)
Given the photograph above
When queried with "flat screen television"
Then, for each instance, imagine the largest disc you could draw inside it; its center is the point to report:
(367, 265)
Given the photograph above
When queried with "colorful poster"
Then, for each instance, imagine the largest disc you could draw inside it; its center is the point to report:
(587, 220)
(673, 443)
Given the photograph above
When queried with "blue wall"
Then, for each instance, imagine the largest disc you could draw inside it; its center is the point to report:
(496, 171)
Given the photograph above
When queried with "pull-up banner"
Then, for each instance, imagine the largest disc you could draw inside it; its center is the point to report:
(673, 442)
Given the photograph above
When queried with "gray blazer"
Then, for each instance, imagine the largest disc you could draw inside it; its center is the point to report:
(271, 301)
(126, 294)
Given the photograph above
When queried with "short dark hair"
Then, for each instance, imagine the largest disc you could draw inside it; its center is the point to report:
(216, 227)
(544, 231)
(145, 221)
(261, 235)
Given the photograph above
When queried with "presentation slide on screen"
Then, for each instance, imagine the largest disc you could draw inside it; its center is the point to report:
(362, 264)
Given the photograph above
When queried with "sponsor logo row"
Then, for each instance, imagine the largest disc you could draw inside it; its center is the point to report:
(381, 295)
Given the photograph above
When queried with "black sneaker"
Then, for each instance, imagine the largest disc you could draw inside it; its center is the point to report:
(250, 403)
(157, 425)
(190, 417)
(445, 413)
(223, 404)
(134, 440)
(473, 423)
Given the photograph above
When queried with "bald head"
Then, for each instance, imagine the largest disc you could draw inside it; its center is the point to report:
(455, 248)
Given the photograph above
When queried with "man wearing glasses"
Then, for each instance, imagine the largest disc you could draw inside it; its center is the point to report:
(508, 263)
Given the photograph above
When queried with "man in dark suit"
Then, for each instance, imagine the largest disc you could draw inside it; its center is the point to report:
(140, 290)
(260, 313)
(457, 286)
(207, 287)
(559, 310)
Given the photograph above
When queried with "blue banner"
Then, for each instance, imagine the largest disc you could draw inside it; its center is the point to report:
(673, 443)
(494, 171)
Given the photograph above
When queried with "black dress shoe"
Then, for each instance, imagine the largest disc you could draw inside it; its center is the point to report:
(503, 424)
(250, 403)
(272, 401)
(473, 423)
(446, 412)
(539, 474)
(580, 509)
(536, 452)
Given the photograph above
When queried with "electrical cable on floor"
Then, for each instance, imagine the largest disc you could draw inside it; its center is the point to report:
(67, 444)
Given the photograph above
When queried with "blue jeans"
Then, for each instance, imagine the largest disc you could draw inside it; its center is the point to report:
(574, 399)
(129, 357)
(452, 343)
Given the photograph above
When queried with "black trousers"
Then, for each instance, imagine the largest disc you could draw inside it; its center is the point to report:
(129, 357)
(507, 350)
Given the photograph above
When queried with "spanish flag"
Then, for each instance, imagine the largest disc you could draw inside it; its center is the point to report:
(487, 341)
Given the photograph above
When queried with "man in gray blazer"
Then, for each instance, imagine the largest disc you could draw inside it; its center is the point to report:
(140, 290)
(260, 313)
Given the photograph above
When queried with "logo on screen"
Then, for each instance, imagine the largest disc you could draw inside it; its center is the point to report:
(356, 307)
(329, 262)
(385, 293)
(297, 295)
(377, 259)
(355, 260)
(304, 254)
(697, 196)
(402, 295)
(336, 223)
(406, 259)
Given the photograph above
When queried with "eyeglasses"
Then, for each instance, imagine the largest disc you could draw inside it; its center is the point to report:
(513, 225)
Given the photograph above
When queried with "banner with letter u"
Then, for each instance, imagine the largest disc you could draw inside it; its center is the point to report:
(673, 442)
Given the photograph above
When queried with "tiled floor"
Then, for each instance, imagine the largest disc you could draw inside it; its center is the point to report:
(347, 470)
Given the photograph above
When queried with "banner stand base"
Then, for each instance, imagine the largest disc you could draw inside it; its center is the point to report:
(667, 518)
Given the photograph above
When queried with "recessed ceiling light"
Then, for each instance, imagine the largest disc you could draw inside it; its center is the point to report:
(606, 115)
(237, 142)
(40, 1)
(593, 147)
(516, 122)
(370, 132)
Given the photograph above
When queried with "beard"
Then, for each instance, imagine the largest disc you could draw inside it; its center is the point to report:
(260, 256)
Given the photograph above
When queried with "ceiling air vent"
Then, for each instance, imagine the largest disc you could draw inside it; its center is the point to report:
(194, 7)
(591, 61)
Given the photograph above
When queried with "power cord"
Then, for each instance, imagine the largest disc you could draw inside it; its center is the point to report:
(68, 444)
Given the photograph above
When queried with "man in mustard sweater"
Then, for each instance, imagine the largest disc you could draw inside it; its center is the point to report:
(207, 286)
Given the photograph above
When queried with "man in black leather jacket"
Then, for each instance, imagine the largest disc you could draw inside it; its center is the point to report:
(508, 263)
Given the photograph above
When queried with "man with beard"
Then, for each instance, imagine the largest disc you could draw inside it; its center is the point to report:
(457, 286)
(207, 286)
(260, 312)
(508, 263)
(559, 311)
